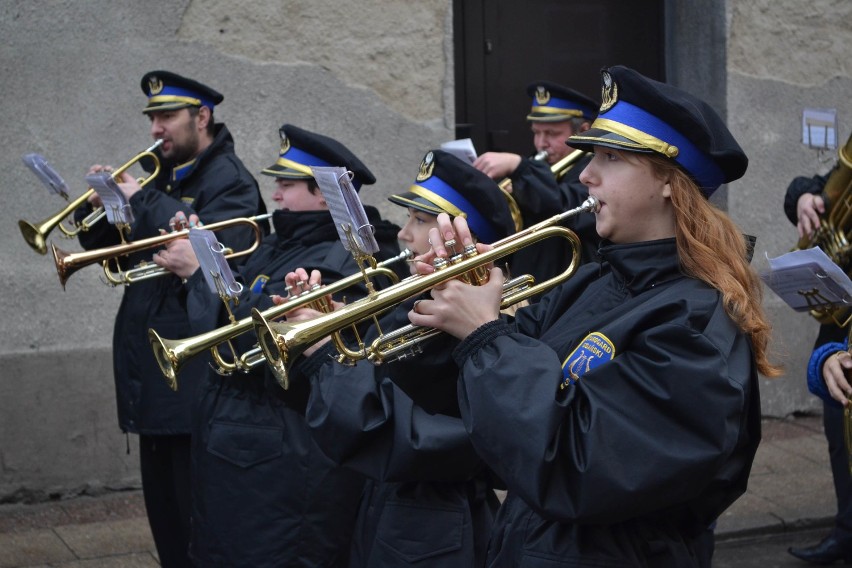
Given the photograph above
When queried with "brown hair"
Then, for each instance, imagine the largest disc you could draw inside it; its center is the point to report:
(712, 249)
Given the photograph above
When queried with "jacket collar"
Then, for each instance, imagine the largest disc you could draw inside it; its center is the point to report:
(643, 265)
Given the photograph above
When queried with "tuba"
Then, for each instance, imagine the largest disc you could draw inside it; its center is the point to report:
(283, 342)
(36, 233)
(832, 236)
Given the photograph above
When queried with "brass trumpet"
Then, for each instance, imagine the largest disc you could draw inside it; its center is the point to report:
(36, 233)
(69, 263)
(172, 354)
(283, 342)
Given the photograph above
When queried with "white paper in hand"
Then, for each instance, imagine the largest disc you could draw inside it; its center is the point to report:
(346, 209)
(48, 176)
(117, 208)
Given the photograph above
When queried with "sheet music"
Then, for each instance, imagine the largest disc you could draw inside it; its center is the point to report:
(48, 176)
(346, 209)
(808, 279)
(213, 264)
(117, 208)
(462, 149)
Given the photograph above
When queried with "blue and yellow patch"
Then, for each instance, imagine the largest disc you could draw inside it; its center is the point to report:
(259, 284)
(595, 349)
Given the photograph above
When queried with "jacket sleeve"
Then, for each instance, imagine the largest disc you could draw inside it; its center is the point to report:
(625, 439)
(363, 421)
(816, 384)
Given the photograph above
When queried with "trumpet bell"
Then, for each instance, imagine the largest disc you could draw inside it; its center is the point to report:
(34, 236)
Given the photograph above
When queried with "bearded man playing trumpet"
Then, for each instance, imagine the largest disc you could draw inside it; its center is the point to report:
(200, 175)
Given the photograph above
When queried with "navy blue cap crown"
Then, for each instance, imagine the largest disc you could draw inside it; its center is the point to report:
(555, 103)
(446, 184)
(639, 114)
(301, 149)
(169, 91)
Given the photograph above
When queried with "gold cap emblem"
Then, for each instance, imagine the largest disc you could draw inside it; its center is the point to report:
(609, 92)
(426, 167)
(542, 96)
(155, 85)
(285, 144)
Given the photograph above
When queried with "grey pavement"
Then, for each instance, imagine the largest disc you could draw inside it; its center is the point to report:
(790, 501)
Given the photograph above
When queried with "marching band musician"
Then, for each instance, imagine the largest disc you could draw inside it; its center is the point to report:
(263, 493)
(804, 206)
(430, 500)
(622, 410)
(200, 175)
(556, 114)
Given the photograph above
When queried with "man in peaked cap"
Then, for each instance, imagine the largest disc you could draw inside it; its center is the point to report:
(556, 113)
(293, 506)
(200, 175)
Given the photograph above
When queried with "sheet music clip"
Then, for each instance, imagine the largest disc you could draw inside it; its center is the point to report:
(353, 227)
(48, 176)
(462, 149)
(808, 281)
(217, 272)
(118, 210)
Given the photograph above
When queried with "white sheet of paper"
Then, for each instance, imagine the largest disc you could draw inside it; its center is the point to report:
(462, 149)
(806, 279)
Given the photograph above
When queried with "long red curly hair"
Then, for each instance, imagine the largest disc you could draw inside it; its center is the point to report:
(711, 248)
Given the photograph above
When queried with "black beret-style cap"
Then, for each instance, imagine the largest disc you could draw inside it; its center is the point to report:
(301, 149)
(555, 103)
(169, 91)
(446, 184)
(639, 114)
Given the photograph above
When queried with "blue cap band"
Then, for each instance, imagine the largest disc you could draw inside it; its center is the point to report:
(172, 91)
(702, 167)
(478, 224)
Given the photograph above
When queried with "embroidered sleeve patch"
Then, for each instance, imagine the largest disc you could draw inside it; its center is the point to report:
(259, 284)
(595, 349)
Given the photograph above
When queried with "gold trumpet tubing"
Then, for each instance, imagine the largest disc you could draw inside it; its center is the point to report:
(283, 342)
(405, 341)
(172, 354)
(69, 263)
(35, 234)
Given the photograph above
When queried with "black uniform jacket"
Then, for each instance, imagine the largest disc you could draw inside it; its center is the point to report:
(540, 197)
(264, 494)
(217, 187)
(429, 501)
(622, 412)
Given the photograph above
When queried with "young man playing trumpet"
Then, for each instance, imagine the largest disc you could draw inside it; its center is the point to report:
(264, 495)
(201, 175)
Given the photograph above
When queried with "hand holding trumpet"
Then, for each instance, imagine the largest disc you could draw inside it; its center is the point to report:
(128, 184)
(297, 283)
(456, 307)
(178, 257)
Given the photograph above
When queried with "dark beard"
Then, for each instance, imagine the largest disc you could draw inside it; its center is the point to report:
(180, 154)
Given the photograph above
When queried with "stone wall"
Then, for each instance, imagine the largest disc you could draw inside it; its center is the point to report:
(377, 75)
